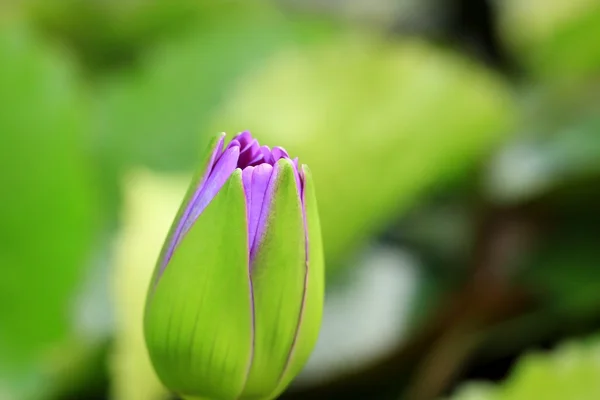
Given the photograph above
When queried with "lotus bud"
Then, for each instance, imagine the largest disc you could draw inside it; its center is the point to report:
(235, 303)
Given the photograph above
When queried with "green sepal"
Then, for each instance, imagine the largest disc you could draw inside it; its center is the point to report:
(198, 320)
(278, 276)
(312, 312)
(199, 176)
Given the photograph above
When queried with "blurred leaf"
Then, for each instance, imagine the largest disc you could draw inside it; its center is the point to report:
(526, 22)
(536, 165)
(572, 52)
(151, 202)
(557, 39)
(47, 213)
(108, 34)
(368, 313)
(566, 273)
(156, 115)
(378, 123)
(562, 277)
(569, 372)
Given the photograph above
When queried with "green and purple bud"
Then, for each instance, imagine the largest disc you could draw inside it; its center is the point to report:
(235, 303)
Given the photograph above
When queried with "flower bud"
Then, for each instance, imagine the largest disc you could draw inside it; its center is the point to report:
(235, 304)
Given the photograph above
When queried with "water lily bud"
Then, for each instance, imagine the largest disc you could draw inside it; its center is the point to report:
(235, 303)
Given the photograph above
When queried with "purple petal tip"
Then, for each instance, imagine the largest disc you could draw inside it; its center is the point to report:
(257, 165)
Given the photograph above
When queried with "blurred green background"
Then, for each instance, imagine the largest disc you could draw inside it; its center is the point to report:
(455, 147)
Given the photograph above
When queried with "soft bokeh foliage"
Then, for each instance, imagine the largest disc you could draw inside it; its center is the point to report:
(136, 249)
(48, 212)
(571, 371)
(415, 93)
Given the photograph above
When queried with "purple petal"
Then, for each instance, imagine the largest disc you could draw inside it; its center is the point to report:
(247, 181)
(278, 153)
(260, 181)
(268, 157)
(299, 178)
(251, 154)
(302, 179)
(258, 176)
(261, 213)
(257, 158)
(233, 143)
(246, 144)
(221, 172)
(176, 238)
(244, 139)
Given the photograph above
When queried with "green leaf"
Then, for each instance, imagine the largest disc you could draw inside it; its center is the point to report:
(48, 205)
(378, 122)
(107, 35)
(569, 372)
(557, 39)
(573, 50)
(156, 114)
(565, 272)
(555, 160)
(278, 280)
(198, 323)
(137, 248)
